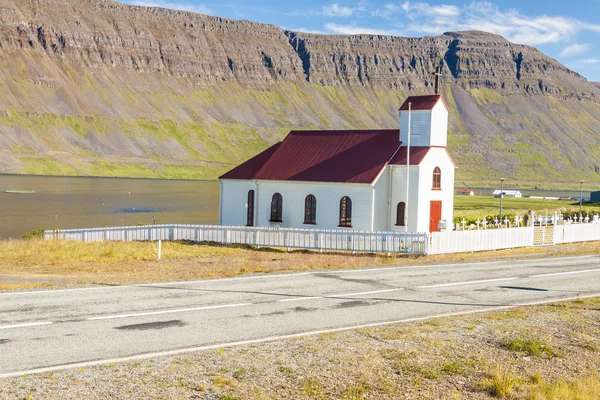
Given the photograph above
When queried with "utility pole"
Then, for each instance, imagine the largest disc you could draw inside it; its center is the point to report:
(407, 170)
(501, 196)
(580, 198)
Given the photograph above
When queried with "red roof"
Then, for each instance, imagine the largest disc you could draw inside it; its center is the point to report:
(423, 102)
(249, 169)
(355, 156)
(417, 153)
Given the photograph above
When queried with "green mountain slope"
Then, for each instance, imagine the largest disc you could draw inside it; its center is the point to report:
(94, 87)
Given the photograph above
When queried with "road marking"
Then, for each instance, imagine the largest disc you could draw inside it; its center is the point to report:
(25, 325)
(574, 258)
(166, 311)
(333, 296)
(466, 283)
(565, 273)
(270, 339)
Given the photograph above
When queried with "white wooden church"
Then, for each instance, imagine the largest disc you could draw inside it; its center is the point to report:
(370, 180)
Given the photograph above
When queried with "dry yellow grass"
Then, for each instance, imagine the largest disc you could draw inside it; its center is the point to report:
(582, 388)
(29, 264)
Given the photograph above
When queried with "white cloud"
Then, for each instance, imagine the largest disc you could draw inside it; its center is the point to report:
(589, 61)
(414, 10)
(331, 10)
(173, 6)
(426, 9)
(574, 49)
(334, 10)
(355, 30)
(485, 16)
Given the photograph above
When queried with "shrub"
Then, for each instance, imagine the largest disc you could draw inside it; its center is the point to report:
(37, 234)
(500, 383)
(530, 347)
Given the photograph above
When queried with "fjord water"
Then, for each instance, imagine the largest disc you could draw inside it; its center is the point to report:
(73, 202)
(80, 202)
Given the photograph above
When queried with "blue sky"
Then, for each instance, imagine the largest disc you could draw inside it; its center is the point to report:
(569, 31)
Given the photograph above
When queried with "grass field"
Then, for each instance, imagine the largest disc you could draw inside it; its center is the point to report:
(473, 207)
(34, 264)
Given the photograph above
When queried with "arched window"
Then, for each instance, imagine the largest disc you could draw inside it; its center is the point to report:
(310, 209)
(401, 214)
(437, 178)
(277, 208)
(250, 211)
(346, 212)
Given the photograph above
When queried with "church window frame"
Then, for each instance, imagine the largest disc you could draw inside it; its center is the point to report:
(345, 220)
(310, 210)
(437, 179)
(276, 208)
(250, 210)
(401, 214)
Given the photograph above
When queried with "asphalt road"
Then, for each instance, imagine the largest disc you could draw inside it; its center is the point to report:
(51, 330)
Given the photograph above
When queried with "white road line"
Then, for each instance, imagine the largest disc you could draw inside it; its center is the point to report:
(333, 296)
(269, 339)
(285, 275)
(166, 311)
(24, 325)
(565, 273)
(574, 258)
(325, 271)
(466, 283)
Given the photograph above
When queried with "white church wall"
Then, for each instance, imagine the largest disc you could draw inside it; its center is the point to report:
(234, 196)
(380, 222)
(439, 125)
(328, 196)
(420, 127)
(398, 194)
(436, 157)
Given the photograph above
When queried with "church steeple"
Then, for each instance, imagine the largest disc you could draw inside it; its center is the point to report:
(429, 121)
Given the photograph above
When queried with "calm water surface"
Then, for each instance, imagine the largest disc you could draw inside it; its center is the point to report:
(98, 202)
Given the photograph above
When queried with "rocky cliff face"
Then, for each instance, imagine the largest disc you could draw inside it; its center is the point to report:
(470, 59)
(97, 87)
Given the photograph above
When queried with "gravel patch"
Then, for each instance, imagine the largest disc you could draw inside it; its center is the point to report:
(447, 358)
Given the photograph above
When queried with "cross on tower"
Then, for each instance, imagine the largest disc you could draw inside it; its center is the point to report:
(437, 74)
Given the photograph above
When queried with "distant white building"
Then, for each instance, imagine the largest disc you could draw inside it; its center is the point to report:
(465, 192)
(508, 193)
(353, 179)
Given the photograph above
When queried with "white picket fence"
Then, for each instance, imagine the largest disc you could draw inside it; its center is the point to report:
(315, 239)
(497, 239)
(344, 240)
(491, 239)
(576, 233)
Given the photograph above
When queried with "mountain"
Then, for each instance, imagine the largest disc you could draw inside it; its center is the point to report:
(95, 87)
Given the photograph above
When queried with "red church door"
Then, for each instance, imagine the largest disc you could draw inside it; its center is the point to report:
(435, 214)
